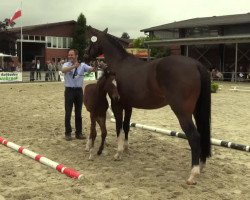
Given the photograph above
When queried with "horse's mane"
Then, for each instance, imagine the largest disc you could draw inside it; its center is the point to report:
(116, 43)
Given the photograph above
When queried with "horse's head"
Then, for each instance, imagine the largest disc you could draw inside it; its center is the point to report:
(107, 72)
(111, 85)
(107, 83)
(94, 48)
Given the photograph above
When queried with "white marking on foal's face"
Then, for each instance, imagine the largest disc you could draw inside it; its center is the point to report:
(114, 82)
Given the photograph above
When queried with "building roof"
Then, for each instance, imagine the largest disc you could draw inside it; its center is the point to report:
(32, 27)
(48, 25)
(203, 40)
(204, 21)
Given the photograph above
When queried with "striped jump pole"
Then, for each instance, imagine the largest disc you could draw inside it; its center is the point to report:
(59, 167)
(183, 136)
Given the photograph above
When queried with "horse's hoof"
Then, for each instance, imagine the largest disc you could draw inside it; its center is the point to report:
(117, 157)
(191, 182)
(195, 173)
(99, 152)
(126, 149)
(87, 149)
(91, 157)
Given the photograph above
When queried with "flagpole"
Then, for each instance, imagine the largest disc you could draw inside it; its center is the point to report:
(21, 38)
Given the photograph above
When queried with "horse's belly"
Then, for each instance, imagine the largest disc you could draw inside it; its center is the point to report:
(147, 102)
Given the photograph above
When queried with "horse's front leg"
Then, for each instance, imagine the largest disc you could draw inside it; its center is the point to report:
(126, 126)
(117, 110)
(102, 123)
(92, 137)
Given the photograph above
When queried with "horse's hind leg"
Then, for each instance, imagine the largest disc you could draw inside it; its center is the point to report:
(92, 137)
(102, 123)
(126, 126)
(187, 125)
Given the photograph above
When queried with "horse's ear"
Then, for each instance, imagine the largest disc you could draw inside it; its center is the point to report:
(106, 30)
(89, 28)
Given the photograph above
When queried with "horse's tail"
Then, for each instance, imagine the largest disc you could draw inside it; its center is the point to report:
(203, 113)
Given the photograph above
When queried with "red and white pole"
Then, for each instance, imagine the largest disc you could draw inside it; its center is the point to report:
(59, 167)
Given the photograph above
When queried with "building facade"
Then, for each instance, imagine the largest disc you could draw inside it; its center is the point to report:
(46, 42)
(221, 42)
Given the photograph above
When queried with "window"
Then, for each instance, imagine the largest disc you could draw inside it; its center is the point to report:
(25, 37)
(37, 37)
(69, 42)
(60, 42)
(31, 37)
(49, 42)
(54, 43)
(64, 43)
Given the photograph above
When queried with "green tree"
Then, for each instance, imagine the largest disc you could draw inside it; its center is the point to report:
(139, 42)
(157, 52)
(7, 38)
(79, 38)
(125, 35)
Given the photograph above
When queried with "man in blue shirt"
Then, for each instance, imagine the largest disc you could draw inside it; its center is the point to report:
(73, 81)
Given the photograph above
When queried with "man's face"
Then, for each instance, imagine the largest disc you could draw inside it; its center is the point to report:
(72, 56)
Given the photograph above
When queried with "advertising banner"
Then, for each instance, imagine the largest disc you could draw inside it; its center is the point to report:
(10, 77)
(89, 76)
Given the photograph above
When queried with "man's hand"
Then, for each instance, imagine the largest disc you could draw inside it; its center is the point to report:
(76, 64)
(94, 69)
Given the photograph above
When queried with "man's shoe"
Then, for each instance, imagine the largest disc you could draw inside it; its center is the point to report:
(80, 137)
(68, 137)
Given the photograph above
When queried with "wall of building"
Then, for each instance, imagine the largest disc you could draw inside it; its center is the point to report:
(55, 54)
(236, 29)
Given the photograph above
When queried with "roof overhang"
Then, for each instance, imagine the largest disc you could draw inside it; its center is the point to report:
(200, 41)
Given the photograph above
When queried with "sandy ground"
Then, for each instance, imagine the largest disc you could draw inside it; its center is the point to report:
(156, 166)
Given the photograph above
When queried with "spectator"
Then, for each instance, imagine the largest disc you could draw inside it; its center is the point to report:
(241, 74)
(53, 71)
(59, 68)
(32, 70)
(38, 70)
(50, 67)
(216, 74)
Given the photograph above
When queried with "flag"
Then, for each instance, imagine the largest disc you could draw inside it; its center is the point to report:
(16, 15)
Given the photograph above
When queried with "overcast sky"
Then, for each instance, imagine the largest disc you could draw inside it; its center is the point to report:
(120, 15)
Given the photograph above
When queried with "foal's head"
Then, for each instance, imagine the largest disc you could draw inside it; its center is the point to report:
(107, 83)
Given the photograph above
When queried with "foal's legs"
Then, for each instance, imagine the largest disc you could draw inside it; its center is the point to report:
(187, 125)
(92, 136)
(102, 123)
(126, 125)
(117, 110)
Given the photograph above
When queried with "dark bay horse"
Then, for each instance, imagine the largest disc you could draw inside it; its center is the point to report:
(178, 81)
(96, 103)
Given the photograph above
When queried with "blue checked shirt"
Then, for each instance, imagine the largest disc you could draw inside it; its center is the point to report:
(77, 81)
